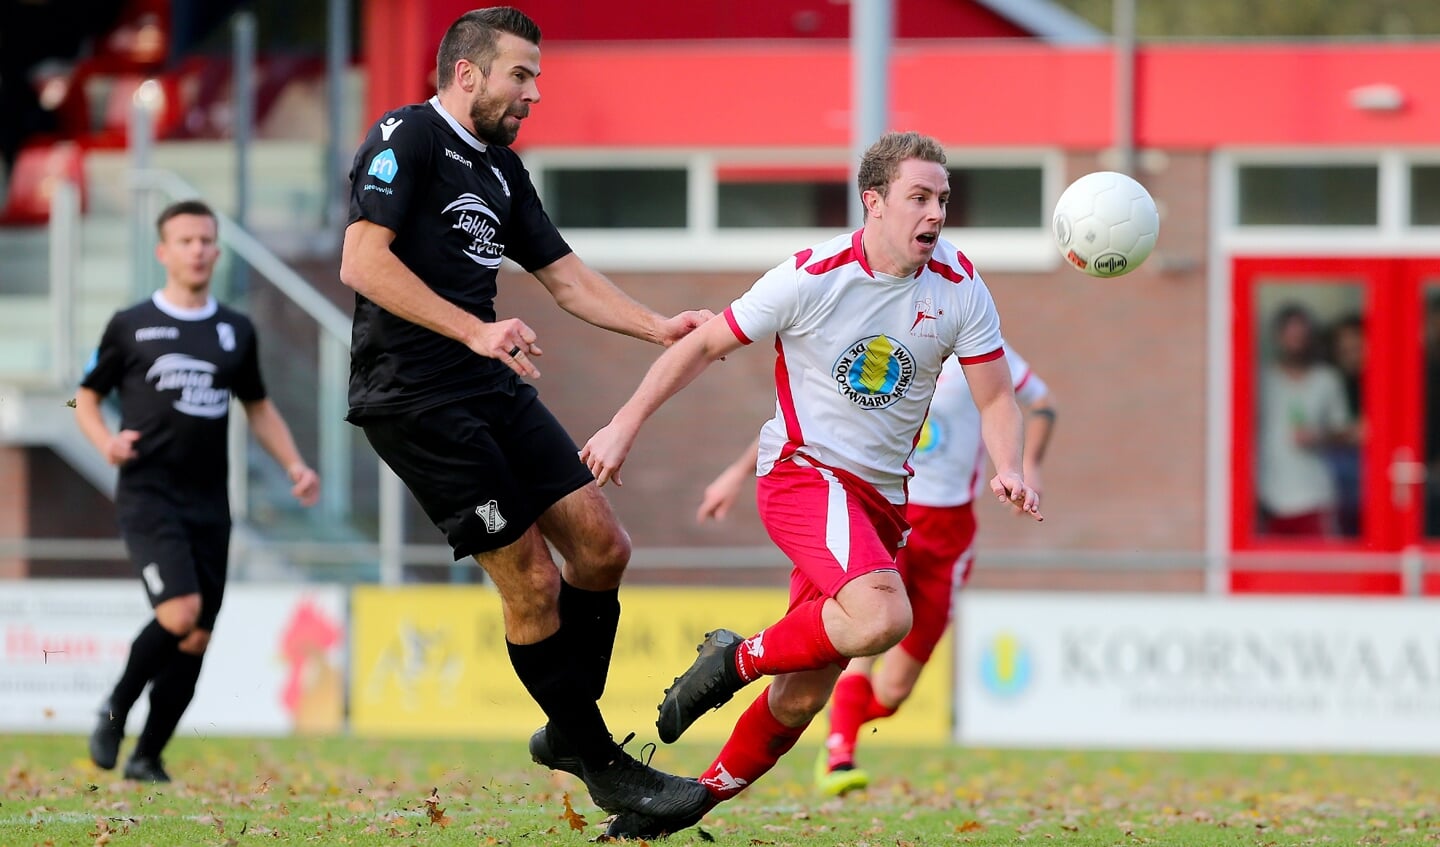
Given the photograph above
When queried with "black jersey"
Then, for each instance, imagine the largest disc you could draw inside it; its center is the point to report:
(175, 370)
(456, 205)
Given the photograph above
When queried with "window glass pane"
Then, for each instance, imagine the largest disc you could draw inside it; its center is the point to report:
(1318, 195)
(616, 198)
(996, 197)
(752, 195)
(1425, 195)
(762, 203)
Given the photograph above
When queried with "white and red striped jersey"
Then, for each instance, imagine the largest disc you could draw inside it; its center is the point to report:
(858, 353)
(950, 453)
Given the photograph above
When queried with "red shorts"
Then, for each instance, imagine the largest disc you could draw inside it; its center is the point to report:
(938, 556)
(832, 525)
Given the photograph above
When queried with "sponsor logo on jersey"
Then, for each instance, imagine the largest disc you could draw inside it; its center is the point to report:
(226, 332)
(490, 514)
(476, 219)
(388, 127)
(504, 186)
(157, 333)
(457, 157)
(874, 372)
(932, 435)
(384, 167)
(194, 379)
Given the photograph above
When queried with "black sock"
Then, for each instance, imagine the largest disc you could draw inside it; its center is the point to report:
(547, 670)
(149, 653)
(170, 695)
(589, 620)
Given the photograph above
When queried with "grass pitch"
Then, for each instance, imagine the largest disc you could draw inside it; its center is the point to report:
(233, 792)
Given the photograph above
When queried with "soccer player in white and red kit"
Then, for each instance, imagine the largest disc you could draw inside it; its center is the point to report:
(863, 324)
(938, 552)
(938, 555)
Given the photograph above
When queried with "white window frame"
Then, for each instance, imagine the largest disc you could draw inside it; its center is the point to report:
(1429, 158)
(1392, 234)
(703, 246)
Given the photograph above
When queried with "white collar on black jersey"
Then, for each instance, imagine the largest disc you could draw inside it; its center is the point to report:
(180, 313)
(465, 135)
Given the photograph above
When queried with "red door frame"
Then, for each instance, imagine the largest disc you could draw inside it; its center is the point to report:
(1410, 405)
(1386, 376)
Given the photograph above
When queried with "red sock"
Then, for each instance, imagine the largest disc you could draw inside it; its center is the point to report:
(798, 642)
(851, 706)
(756, 743)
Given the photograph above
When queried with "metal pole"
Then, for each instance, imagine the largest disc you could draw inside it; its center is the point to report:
(1124, 34)
(392, 527)
(243, 78)
(871, 25)
(141, 132)
(337, 58)
(64, 248)
(335, 433)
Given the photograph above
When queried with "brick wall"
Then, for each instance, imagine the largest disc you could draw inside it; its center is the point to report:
(14, 520)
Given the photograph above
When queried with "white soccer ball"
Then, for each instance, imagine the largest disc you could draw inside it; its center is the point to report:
(1105, 224)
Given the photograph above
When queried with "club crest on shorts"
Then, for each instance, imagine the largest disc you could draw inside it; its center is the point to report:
(490, 514)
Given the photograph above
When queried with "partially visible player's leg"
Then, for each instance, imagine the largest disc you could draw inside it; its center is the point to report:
(846, 597)
(939, 539)
(529, 585)
(157, 544)
(174, 686)
(768, 729)
(595, 550)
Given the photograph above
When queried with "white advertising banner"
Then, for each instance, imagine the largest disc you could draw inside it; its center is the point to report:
(1176, 672)
(275, 665)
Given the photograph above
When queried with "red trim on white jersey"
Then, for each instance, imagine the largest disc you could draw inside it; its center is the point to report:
(802, 257)
(950, 273)
(854, 253)
(735, 327)
(986, 357)
(1020, 383)
(786, 401)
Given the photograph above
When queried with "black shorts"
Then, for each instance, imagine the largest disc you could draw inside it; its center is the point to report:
(177, 549)
(483, 468)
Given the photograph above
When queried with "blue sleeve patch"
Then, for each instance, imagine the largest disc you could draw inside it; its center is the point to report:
(384, 167)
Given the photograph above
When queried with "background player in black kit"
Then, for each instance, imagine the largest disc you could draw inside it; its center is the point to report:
(437, 199)
(176, 359)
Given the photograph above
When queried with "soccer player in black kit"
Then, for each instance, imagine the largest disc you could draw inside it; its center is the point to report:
(437, 199)
(176, 360)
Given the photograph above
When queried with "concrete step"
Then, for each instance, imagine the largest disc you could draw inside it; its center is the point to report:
(286, 188)
(25, 267)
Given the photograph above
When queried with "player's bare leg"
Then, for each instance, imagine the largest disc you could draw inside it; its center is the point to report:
(529, 584)
(867, 616)
(595, 550)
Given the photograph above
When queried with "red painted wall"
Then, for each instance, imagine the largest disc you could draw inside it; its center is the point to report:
(646, 20)
(985, 93)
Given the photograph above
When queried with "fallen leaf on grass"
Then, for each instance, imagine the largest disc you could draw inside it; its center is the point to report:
(970, 826)
(432, 809)
(577, 821)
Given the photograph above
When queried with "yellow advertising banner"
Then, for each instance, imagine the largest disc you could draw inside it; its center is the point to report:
(431, 661)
